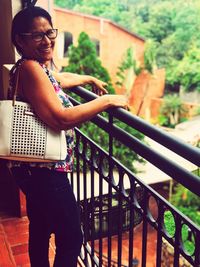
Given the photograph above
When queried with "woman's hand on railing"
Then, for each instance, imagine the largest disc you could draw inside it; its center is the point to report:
(117, 101)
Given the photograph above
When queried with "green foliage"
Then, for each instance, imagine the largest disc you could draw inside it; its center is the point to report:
(187, 202)
(129, 156)
(83, 60)
(150, 56)
(171, 111)
(188, 240)
(169, 223)
(127, 70)
(188, 70)
(183, 197)
(176, 34)
(130, 67)
(122, 153)
(157, 23)
(67, 3)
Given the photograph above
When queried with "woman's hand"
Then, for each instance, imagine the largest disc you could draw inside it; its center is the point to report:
(68, 80)
(98, 86)
(116, 101)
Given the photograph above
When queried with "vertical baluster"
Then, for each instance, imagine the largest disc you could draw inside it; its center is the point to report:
(77, 166)
(159, 235)
(144, 230)
(85, 202)
(120, 221)
(197, 250)
(177, 241)
(131, 222)
(110, 197)
(71, 179)
(100, 209)
(92, 206)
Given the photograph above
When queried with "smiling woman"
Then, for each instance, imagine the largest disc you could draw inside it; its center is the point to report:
(51, 205)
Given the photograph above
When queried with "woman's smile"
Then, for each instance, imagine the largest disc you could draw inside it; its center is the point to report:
(45, 50)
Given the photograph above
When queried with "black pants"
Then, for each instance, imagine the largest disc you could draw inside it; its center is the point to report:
(51, 208)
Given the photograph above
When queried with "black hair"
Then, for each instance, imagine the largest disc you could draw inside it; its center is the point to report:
(23, 20)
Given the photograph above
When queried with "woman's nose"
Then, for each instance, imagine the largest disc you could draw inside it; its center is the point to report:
(45, 39)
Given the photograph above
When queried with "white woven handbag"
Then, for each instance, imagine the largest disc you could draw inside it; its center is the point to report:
(24, 137)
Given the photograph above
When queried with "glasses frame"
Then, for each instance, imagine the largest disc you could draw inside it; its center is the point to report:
(31, 34)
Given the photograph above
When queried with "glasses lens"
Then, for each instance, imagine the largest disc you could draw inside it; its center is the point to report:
(37, 36)
(52, 33)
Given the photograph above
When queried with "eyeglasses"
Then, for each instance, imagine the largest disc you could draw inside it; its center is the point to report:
(39, 36)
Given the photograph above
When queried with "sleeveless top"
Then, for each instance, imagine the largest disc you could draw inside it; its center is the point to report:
(67, 164)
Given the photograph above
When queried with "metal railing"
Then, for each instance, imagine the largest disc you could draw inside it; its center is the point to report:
(115, 202)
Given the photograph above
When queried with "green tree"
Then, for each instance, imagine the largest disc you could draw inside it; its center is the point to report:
(188, 70)
(128, 70)
(171, 111)
(150, 56)
(67, 3)
(155, 22)
(130, 67)
(122, 153)
(83, 60)
(175, 36)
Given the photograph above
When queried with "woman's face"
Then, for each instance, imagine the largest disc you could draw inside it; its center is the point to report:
(42, 50)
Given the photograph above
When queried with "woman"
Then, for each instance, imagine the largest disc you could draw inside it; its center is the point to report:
(51, 205)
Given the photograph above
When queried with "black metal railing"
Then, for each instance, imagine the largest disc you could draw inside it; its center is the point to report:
(116, 204)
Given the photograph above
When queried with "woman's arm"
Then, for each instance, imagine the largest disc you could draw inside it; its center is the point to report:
(67, 80)
(37, 89)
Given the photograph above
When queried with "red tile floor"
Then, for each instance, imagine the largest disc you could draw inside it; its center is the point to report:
(14, 244)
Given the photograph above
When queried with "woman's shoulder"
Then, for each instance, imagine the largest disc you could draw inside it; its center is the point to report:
(29, 64)
(29, 69)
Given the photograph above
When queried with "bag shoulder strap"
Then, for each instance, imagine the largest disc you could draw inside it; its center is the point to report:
(16, 86)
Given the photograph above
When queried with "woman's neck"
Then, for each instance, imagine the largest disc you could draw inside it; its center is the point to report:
(46, 63)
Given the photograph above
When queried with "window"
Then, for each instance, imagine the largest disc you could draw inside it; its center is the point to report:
(68, 40)
(97, 45)
(65, 39)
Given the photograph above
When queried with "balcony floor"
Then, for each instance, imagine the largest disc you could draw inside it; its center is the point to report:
(14, 244)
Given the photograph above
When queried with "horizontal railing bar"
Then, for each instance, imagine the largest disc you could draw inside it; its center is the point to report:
(176, 145)
(171, 168)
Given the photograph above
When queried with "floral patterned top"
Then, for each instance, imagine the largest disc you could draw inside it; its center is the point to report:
(67, 164)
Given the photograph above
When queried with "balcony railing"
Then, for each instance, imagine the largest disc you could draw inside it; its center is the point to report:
(113, 200)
